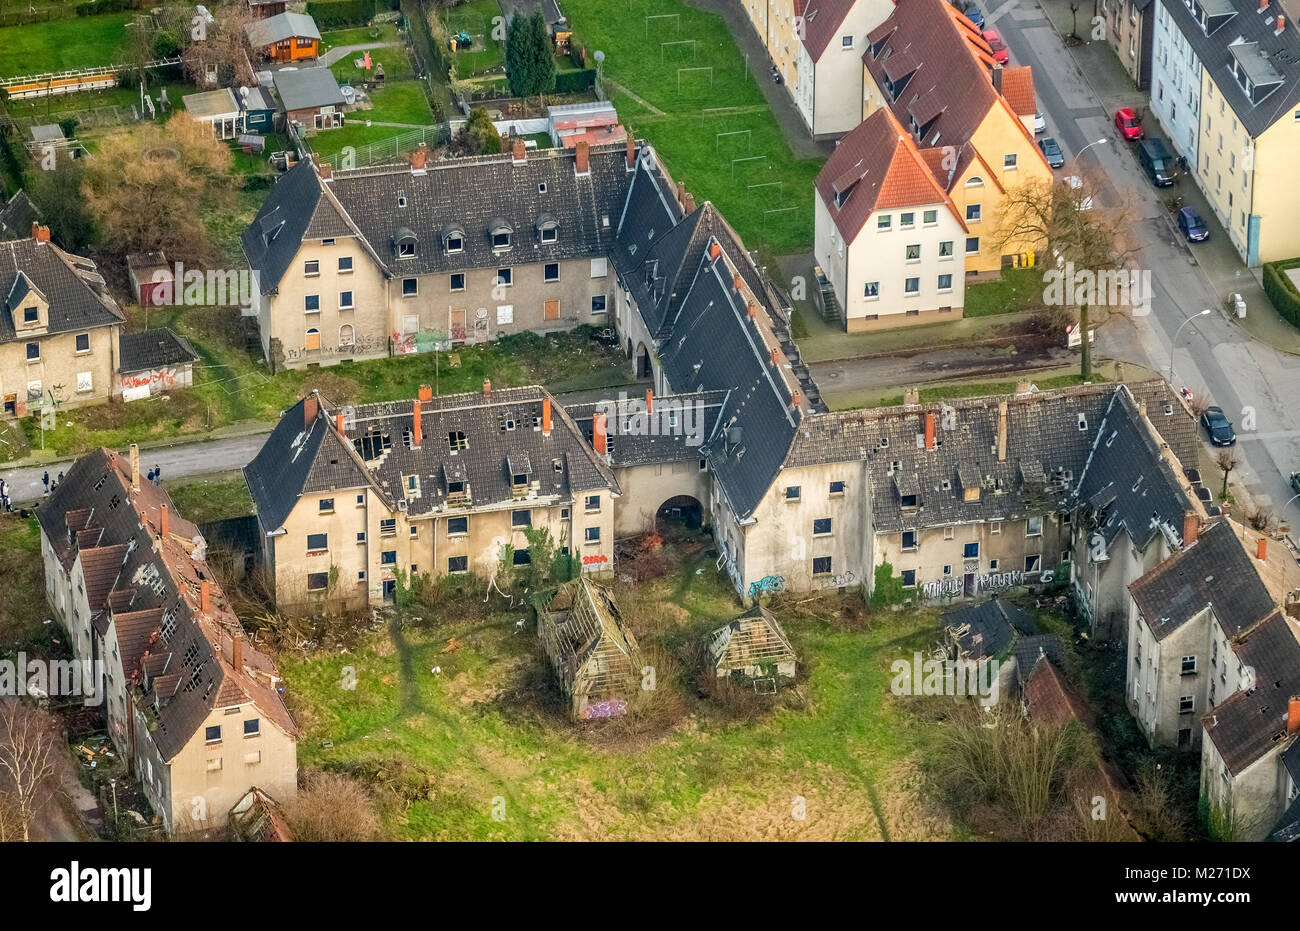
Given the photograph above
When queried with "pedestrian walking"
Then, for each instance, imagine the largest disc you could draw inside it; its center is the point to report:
(150, 477)
(46, 479)
(157, 474)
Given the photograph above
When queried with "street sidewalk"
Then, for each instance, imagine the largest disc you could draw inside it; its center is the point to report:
(1217, 257)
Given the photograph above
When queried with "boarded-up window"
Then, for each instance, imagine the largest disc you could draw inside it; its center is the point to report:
(313, 339)
(552, 309)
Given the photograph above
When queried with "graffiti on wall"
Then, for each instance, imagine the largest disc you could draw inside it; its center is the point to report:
(138, 385)
(770, 583)
(605, 709)
(988, 582)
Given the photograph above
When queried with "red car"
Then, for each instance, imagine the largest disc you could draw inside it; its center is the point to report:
(1000, 53)
(1128, 124)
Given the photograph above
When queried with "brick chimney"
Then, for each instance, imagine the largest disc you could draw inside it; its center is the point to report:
(1022, 386)
(205, 596)
(582, 158)
(911, 396)
(752, 309)
(997, 77)
(237, 653)
(1293, 715)
(419, 157)
(715, 250)
(1002, 431)
(487, 388)
(1263, 5)
(929, 431)
(1281, 25)
(737, 283)
(1261, 549)
(775, 357)
(688, 204)
(1191, 528)
(135, 467)
(546, 416)
(164, 521)
(426, 393)
(631, 153)
(40, 233)
(599, 435)
(310, 408)
(326, 171)
(520, 151)
(649, 400)
(417, 427)
(338, 421)
(796, 398)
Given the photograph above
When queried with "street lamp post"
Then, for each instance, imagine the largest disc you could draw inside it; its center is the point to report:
(1174, 342)
(1089, 146)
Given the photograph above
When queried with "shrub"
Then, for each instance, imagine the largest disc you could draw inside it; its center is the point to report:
(574, 82)
(331, 807)
(331, 14)
(1282, 291)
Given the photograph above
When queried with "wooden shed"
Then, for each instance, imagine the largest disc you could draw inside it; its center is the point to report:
(595, 657)
(753, 646)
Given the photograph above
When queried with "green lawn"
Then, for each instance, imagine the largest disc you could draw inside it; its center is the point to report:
(767, 198)
(360, 35)
(358, 135)
(475, 18)
(484, 733)
(212, 499)
(1019, 289)
(398, 102)
(63, 44)
(396, 62)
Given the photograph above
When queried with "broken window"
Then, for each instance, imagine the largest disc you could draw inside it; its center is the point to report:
(373, 444)
(457, 441)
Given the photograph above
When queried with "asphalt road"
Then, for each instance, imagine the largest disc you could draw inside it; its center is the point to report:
(1257, 386)
(182, 461)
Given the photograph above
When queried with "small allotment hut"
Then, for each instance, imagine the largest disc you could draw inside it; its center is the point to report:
(594, 656)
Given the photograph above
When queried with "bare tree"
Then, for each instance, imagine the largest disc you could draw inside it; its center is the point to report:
(332, 807)
(28, 742)
(1226, 460)
(1085, 242)
(220, 46)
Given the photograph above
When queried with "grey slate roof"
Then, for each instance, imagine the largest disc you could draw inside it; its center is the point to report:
(502, 433)
(307, 88)
(76, 293)
(17, 216)
(477, 193)
(1127, 484)
(148, 349)
(987, 628)
(1028, 650)
(1213, 571)
(1252, 722)
(1267, 56)
(299, 208)
(697, 414)
(264, 32)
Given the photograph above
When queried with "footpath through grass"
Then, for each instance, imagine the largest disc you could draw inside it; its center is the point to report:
(704, 114)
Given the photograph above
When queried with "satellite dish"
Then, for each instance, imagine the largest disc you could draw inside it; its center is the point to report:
(599, 56)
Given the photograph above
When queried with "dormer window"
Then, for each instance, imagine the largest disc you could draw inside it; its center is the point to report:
(453, 239)
(518, 479)
(500, 240)
(547, 228)
(501, 232)
(406, 250)
(405, 243)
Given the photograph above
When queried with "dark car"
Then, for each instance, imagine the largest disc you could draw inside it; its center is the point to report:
(1295, 481)
(975, 15)
(1192, 226)
(1218, 427)
(1052, 152)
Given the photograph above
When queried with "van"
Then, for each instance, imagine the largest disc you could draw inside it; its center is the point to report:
(1156, 161)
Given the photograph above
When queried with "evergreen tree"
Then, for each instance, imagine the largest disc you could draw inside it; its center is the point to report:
(530, 67)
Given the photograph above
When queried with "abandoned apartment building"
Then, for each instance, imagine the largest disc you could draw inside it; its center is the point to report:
(349, 497)
(188, 700)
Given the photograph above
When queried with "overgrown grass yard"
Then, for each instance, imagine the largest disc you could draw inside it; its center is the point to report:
(442, 750)
(766, 198)
(230, 388)
(63, 44)
(401, 102)
(475, 18)
(23, 608)
(359, 35)
(212, 498)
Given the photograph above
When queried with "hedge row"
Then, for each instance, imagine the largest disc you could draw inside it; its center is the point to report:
(1282, 291)
(104, 6)
(331, 14)
(574, 82)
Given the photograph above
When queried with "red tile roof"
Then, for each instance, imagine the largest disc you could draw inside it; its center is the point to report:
(876, 167)
(1018, 89)
(821, 21)
(1050, 699)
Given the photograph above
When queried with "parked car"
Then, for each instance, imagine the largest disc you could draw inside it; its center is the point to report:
(1040, 124)
(1218, 427)
(1192, 226)
(1052, 152)
(1157, 162)
(1128, 124)
(1295, 481)
(975, 15)
(998, 47)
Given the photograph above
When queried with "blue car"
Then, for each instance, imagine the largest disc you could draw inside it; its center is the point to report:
(973, 13)
(1192, 226)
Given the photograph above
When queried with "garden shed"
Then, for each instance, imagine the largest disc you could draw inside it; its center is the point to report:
(753, 646)
(595, 657)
